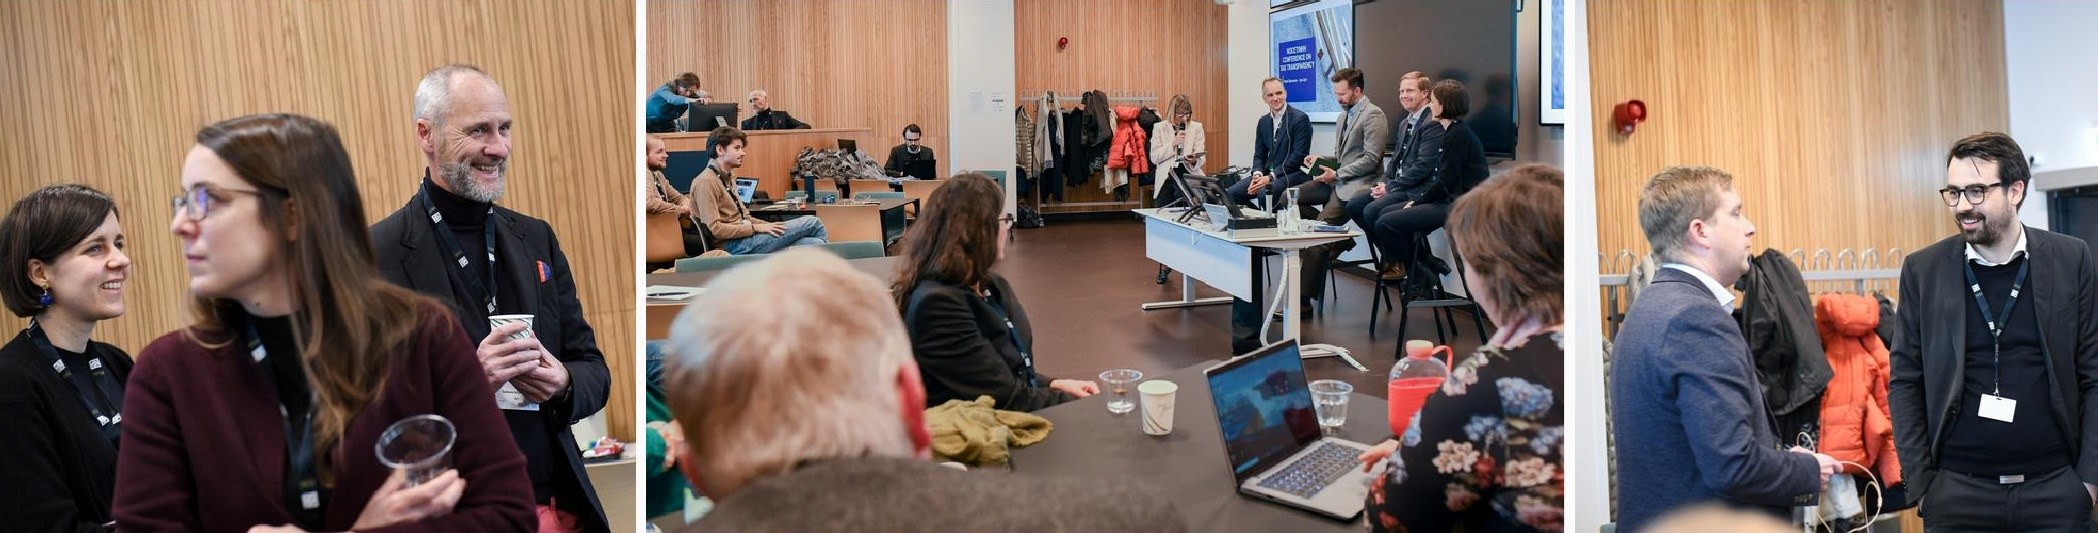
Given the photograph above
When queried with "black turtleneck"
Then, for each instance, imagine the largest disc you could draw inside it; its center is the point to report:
(283, 363)
(467, 220)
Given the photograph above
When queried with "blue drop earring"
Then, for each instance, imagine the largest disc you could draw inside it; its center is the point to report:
(44, 300)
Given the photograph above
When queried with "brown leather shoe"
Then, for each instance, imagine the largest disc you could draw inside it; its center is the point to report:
(1393, 271)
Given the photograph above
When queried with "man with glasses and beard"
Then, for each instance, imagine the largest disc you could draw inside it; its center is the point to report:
(1994, 384)
(453, 243)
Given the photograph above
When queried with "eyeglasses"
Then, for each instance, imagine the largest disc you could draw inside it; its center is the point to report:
(910, 139)
(1006, 219)
(1975, 194)
(197, 201)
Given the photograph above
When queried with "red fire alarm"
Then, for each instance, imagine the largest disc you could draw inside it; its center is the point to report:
(1627, 116)
(1062, 42)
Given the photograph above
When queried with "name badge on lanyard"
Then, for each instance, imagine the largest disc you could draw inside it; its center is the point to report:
(1993, 405)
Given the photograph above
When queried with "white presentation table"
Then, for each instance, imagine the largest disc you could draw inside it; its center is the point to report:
(1229, 263)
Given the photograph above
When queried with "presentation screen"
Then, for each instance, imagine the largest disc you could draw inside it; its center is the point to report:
(1309, 43)
(1472, 42)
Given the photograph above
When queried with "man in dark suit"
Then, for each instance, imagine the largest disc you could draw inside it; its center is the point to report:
(1687, 413)
(1280, 141)
(764, 117)
(1416, 153)
(451, 242)
(1994, 388)
(839, 441)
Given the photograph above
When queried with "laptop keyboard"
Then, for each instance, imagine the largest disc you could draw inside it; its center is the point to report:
(1311, 472)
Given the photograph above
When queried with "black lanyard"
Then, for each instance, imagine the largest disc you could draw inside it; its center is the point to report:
(1013, 332)
(1995, 327)
(97, 387)
(302, 490)
(451, 246)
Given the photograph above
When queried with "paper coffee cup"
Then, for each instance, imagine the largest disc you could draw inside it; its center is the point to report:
(498, 321)
(1157, 405)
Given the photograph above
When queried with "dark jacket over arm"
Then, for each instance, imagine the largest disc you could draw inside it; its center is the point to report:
(1417, 166)
(965, 350)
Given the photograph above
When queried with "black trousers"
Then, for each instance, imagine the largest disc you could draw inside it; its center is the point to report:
(1395, 229)
(1959, 502)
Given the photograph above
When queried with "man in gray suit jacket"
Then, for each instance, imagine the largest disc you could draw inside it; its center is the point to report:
(1687, 413)
(827, 432)
(1994, 389)
(1364, 134)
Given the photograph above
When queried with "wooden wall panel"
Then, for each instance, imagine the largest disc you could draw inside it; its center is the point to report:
(1131, 47)
(880, 65)
(1833, 117)
(112, 94)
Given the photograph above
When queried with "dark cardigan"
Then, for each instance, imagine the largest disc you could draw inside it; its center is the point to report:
(204, 442)
(62, 471)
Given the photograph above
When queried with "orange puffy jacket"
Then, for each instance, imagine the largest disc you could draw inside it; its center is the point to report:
(1129, 151)
(1855, 425)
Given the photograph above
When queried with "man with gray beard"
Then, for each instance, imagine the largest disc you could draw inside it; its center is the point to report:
(1994, 389)
(453, 243)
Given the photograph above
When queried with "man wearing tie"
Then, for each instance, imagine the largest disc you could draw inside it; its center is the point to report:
(1416, 154)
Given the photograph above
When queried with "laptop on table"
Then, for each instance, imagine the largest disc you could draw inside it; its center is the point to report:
(1271, 435)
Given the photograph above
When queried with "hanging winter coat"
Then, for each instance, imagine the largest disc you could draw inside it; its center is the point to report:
(1126, 152)
(1129, 151)
(1777, 318)
(1146, 120)
(1023, 141)
(1077, 152)
(1048, 133)
(1855, 423)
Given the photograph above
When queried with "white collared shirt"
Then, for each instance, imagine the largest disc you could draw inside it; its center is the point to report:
(1724, 295)
(1974, 254)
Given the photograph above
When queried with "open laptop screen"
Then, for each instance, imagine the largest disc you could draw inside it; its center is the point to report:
(1263, 408)
(746, 189)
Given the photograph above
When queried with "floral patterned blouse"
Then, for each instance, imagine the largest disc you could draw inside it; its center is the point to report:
(1483, 455)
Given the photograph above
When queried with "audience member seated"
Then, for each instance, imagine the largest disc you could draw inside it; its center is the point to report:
(1509, 232)
(816, 421)
(663, 198)
(764, 117)
(903, 155)
(670, 101)
(725, 216)
(1462, 166)
(967, 328)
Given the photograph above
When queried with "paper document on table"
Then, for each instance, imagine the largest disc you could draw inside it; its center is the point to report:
(671, 293)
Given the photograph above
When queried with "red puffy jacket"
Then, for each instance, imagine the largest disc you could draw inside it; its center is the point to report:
(1131, 143)
(1855, 425)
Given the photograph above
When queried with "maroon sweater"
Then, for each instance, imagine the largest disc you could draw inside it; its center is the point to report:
(204, 443)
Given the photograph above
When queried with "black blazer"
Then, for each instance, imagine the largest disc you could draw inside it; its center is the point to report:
(1462, 165)
(1926, 373)
(409, 256)
(1282, 157)
(62, 473)
(965, 350)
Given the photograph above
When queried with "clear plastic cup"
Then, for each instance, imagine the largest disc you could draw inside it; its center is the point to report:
(420, 445)
(1117, 383)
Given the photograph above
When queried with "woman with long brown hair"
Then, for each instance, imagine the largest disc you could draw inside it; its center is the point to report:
(265, 411)
(968, 331)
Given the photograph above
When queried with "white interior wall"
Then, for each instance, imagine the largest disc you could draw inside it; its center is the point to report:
(981, 74)
(2048, 50)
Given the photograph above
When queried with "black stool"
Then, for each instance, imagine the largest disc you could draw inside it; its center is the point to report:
(1435, 297)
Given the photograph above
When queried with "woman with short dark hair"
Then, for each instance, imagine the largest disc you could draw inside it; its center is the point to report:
(1487, 450)
(267, 409)
(968, 332)
(63, 261)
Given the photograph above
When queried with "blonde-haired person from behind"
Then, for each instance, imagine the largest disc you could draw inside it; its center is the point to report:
(792, 431)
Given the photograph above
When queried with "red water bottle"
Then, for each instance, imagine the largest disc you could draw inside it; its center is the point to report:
(1416, 377)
